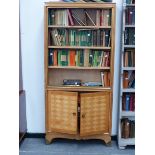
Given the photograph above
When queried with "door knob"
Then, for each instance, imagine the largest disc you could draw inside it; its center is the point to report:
(74, 114)
(83, 115)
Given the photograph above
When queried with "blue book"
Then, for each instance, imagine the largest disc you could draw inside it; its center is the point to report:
(127, 104)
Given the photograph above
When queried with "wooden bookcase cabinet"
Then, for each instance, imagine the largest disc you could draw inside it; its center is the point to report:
(78, 112)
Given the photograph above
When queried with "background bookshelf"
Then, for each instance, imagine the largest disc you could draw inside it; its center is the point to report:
(126, 127)
(79, 44)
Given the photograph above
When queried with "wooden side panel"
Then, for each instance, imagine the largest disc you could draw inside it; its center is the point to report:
(94, 117)
(62, 112)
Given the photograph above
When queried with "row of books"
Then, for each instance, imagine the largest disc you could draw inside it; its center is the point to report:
(128, 102)
(127, 128)
(129, 36)
(130, 1)
(129, 58)
(79, 17)
(129, 79)
(73, 37)
(82, 58)
(130, 16)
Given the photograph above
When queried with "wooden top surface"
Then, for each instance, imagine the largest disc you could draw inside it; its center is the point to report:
(79, 5)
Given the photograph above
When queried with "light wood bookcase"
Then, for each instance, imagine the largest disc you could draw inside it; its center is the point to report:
(78, 112)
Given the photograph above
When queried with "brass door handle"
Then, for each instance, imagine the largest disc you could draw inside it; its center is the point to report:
(74, 114)
(83, 115)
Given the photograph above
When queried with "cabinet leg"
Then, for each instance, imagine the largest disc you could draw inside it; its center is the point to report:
(48, 139)
(107, 140)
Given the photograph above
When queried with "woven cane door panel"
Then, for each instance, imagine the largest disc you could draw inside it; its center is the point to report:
(94, 113)
(63, 111)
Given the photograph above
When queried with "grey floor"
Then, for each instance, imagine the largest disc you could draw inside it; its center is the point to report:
(37, 146)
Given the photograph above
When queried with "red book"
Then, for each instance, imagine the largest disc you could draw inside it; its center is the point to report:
(72, 57)
(101, 17)
(132, 102)
(55, 57)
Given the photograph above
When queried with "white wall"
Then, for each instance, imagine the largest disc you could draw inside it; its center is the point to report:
(32, 44)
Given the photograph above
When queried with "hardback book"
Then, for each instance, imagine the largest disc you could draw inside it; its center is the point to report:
(72, 54)
(50, 57)
(132, 129)
(129, 36)
(106, 79)
(126, 128)
(123, 102)
(127, 104)
(86, 58)
(125, 79)
(55, 57)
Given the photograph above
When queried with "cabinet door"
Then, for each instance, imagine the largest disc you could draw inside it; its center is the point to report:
(94, 117)
(62, 112)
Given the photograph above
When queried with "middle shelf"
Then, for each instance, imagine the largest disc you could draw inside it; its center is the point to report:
(74, 67)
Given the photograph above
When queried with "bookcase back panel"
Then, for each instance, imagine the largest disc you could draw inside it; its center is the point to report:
(56, 76)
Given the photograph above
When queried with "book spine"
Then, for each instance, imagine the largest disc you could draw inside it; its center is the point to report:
(125, 80)
(102, 79)
(86, 58)
(50, 57)
(59, 57)
(127, 102)
(70, 17)
(55, 56)
(72, 57)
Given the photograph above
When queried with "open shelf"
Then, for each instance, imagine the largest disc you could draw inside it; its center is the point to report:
(129, 26)
(128, 141)
(80, 27)
(128, 90)
(129, 5)
(128, 68)
(79, 47)
(75, 67)
(128, 113)
(78, 88)
(129, 46)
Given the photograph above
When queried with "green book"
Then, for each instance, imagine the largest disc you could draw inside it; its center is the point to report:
(99, 57)
(71, 36)
(59, 57)
(89, 38)
(49, 17)
(74, 37)
(91, 57)
(77, 58)
(95, 59)
(81, 56)
(109, 19)
(64, 58)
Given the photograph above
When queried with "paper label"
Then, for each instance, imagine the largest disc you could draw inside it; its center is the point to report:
(63, 58)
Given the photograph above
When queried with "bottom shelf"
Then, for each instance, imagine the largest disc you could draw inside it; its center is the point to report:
(128, 141)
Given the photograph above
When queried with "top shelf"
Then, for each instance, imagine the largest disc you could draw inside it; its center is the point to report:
(82, 27)
(79, 5)
(128, 5)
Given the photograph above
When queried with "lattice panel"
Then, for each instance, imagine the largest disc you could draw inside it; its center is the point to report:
(94, 113)
(63, 111)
